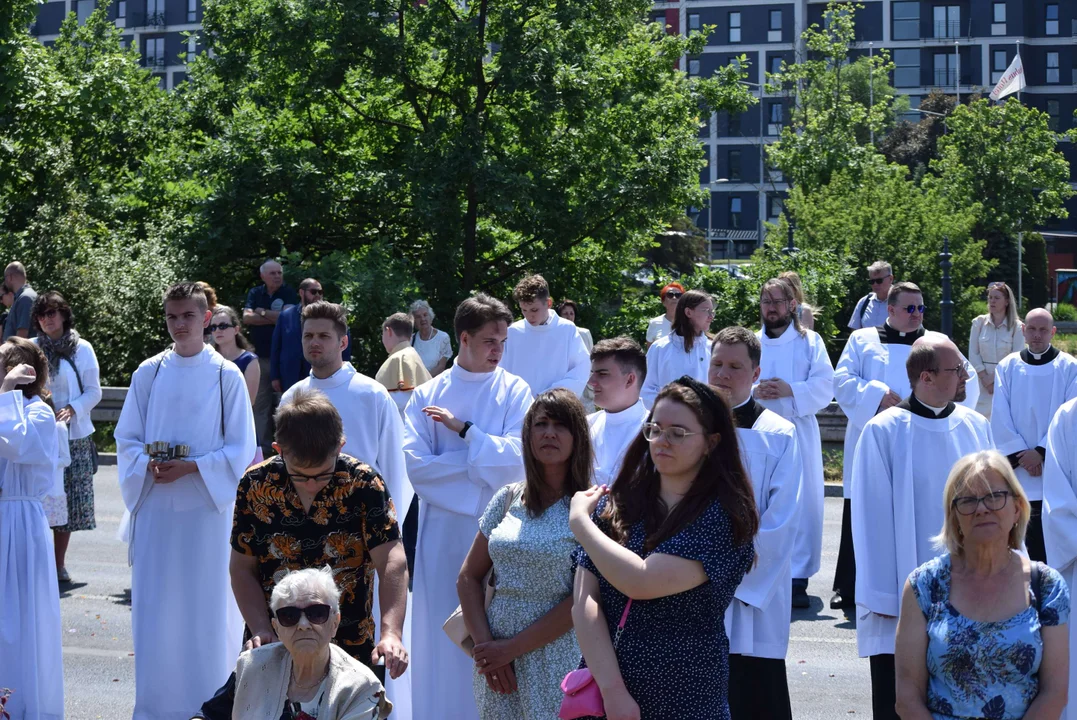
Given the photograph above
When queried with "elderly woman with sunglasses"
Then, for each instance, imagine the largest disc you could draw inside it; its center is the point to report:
(304, 676)
(982, 632)
(994, 336)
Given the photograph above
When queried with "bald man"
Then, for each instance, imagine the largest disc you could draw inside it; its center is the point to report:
(1030, 387)
(900, 468)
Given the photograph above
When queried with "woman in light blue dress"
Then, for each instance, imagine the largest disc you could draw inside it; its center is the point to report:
(524, 642)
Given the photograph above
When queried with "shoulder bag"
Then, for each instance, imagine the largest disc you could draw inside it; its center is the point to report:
(582, 695)
(95, 460)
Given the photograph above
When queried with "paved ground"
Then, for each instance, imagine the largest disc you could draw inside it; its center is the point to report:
(826, 678)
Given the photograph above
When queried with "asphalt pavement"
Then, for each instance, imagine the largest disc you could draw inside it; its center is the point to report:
(826, 679)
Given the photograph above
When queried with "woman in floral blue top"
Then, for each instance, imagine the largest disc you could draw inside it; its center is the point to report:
(982, 631)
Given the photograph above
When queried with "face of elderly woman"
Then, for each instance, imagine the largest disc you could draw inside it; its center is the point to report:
(986, 510)
(422, 318)
(305, 636)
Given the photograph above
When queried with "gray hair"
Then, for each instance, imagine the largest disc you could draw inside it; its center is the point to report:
(316, 581)
(267, 263)
(968, 473)
(880, 266)
(421, 305)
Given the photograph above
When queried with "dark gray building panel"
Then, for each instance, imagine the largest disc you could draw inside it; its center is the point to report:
(50, 16)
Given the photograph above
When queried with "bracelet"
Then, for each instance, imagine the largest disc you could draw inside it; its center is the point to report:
(463, 430)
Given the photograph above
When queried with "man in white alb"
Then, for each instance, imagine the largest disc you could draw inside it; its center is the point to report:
(1030, 386)
(618, 367)
(902, 461)
(797, 381)
(871, 310)
(462, 444)
(757, 621)
(543, 349)
(870, 377)
(189, 399)
(373, 432)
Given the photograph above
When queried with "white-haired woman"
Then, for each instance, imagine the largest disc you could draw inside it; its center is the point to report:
(982, 632)
(304, 672)
(994, 336)
(433, 345)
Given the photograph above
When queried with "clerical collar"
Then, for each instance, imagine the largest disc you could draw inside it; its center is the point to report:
(747, 413)
(1043, 358)
(890, 336)
(926, 411)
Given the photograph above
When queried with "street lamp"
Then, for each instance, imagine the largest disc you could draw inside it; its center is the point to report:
(760, 202)
(947, 302)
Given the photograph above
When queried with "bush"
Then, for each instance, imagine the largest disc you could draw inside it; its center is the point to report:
(1064, 312)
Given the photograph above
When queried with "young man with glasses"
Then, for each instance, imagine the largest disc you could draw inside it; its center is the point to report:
(662, 325)
(871, 310)
(899, 473)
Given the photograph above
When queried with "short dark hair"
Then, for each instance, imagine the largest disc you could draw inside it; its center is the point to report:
(16, 351)
(307, 282)
(531, 288)
(402, 324)
(626, 352)
(924, 357)
(211, 294)
(901, 287)
(309, 428)
(568, 304)
(323, 310)
(51, 300)
(186, 291)
(737, 335)
(478, 310)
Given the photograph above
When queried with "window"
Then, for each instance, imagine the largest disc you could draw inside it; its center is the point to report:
(998, 18)
(734, 27)
(84, 9)
(734, 212)
(734, 165)
(775, 175)
(1052, 68)
(1051, 27)
(947, 21)
(121, 10)
(693, 67)
(734, 125)
(775, 29)
(906, 17)
(154, 52)
(1052, 115)
(998, 65)
(192, 48)
(906, 68)
(774, 127)
(192, 11)
(693, 22)
(774, 207)
(155, 12)
(775, 64)
(945, 69)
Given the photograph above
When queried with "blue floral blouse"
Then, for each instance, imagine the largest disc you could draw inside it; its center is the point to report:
(983, 669)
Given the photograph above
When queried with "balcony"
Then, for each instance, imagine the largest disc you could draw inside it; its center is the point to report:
(945, 78)
(153, 62)
(949, 30)
(156, 20)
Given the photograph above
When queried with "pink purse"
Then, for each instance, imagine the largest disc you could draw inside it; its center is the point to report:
(582, 695)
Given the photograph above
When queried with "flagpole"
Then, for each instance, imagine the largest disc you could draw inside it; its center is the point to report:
(957, 79)
(1018, 43)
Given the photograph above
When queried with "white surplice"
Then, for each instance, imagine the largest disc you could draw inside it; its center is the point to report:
(870, 365)
(611, 434)
(547, 356)
(802, 361)
(31, 661)
(1060, 516)
(757, 621)
(456, 478)
(1027, 395)
(180, 531)
(667, 361)
(900, 470)
(374, 433)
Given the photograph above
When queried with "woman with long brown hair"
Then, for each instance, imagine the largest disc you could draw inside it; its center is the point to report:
(675, 535)
(524, 643)
(685, 351)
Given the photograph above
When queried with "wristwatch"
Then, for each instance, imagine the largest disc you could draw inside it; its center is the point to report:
(467, 426)
(262, 312)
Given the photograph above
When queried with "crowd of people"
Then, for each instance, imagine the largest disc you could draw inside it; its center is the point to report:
(541, 525)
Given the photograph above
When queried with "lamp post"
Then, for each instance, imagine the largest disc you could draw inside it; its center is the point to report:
(947, 302)
(760, 203)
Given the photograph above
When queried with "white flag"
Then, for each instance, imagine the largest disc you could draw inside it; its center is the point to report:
(1013, 80)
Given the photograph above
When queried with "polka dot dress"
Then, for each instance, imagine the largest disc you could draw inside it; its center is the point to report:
(674, 653)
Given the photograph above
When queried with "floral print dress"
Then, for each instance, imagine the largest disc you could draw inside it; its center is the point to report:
(983, 669)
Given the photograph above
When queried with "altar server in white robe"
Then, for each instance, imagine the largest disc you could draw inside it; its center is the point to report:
(757, 621)
(685, 351)
(181, 512)
(31, 661)
(870, 377)
(618, 367)
(462, 444)
(902, 462)
(373, 433)
(1030, 386)
(796, 382)
(543, 349)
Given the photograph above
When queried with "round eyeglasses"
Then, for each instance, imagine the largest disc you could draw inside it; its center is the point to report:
(992, 501)
(673, 435)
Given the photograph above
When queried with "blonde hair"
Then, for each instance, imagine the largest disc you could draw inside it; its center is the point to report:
(1011, 303)
(968, 472)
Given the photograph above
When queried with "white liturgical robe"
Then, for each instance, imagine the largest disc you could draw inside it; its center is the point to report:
(802, 361)
(374, 434)
(31, 661)
(757, 621)
(180, 531)
(1060, 515)
(456, 478)
(547, 356)
(900, 470)
(1028, 392)
(667, 361)
(611, 434)
(872, 363)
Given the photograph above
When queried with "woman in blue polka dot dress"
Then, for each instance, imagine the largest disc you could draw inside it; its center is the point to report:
(675, 535)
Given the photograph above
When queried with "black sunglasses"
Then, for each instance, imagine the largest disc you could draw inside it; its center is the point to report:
(915, 309)
(289, 616)
(878, 281)
(221, 326)
(673, 294)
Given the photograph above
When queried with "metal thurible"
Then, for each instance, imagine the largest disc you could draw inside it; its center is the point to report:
(180, 451)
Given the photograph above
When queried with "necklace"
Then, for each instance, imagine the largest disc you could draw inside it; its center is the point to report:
(313, 685)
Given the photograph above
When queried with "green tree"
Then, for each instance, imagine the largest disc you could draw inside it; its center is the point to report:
(915, 144)
(869, 87)
(678, 248)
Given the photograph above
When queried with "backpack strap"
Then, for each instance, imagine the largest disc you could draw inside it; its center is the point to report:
(1035, 584)
(861, 308)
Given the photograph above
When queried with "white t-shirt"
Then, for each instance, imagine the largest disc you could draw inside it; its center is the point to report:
(658, 328)
(432, 350)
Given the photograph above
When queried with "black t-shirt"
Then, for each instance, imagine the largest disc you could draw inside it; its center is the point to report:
(259, 297)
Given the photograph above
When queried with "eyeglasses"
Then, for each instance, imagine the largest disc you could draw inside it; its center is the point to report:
(50, 313)
(996, 286)
(220, 326)
(915, 309)
(956, 370)
(289, 616)
(992, 501)
(878, 281)
(773, 301)
(673, 435)
(673, 294)
(319, 291)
